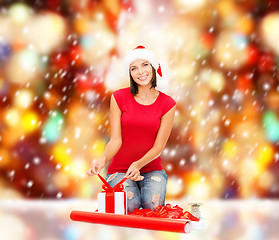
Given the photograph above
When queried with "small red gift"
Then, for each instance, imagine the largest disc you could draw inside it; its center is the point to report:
(112, 200)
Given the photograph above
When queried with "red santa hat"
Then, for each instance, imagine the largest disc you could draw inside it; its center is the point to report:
(140, 52)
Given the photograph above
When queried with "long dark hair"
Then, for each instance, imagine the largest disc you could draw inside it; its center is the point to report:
(134, 86)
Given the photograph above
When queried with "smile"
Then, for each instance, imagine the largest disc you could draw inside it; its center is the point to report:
(143, 78)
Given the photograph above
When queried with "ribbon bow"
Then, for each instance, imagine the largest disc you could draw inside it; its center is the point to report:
(117, 188)
(110, 191)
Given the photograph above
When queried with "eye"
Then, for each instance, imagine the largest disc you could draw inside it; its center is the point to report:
(132, 69)
(145, 64)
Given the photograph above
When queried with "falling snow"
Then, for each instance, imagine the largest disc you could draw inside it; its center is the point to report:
(36, 160)
(226, 111)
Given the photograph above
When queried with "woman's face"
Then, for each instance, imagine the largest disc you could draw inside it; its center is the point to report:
(141, 72)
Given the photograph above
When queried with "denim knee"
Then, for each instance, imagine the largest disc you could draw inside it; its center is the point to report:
(133, 204)
(153, 189)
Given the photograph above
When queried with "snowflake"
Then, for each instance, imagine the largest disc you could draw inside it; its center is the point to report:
(36, 160)
(29, 184)
(59, 195)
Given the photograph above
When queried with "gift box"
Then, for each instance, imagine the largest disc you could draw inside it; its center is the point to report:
(112, 200)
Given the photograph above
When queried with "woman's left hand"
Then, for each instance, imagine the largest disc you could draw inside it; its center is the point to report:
(133, 173)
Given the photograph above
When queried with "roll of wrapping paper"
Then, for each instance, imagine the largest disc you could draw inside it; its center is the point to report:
(150, 223)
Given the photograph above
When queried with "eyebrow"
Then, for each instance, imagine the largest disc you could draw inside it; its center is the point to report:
(142, 63)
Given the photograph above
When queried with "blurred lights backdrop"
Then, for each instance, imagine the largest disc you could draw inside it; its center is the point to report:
(60, 60)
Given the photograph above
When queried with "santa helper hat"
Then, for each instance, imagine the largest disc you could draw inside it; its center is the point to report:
(140, 52)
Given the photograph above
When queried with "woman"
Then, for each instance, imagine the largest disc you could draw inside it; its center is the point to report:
(141, 119)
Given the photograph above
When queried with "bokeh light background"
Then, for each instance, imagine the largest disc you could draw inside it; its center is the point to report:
(60, 60)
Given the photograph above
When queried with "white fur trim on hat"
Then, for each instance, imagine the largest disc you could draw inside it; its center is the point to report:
(141, 52)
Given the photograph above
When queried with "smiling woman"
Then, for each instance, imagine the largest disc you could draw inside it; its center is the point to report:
(141, 73)
(141, 119)
(141, 70)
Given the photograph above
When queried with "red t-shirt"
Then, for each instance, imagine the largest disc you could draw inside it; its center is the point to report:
(140, 124)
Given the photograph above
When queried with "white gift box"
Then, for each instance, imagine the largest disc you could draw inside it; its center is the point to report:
(119, 204)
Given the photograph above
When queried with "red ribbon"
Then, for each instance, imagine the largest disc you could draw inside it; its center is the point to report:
(110, 208)
(168, 211)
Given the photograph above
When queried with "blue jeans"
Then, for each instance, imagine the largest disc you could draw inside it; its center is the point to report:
(148, 193)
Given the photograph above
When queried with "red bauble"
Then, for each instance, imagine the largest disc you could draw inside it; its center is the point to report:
(266, 63)
(253, 54)
(60, 60)
(54, 4)
(244, 82)
(112, 20)
(75, 56)
(207, 40)
(87, 82)
(271, 4)
(127, 5)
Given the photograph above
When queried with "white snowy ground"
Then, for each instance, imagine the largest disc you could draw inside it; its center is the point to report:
(49, 220)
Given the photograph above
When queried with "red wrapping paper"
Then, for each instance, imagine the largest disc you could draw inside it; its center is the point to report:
(112, 197)
(168, 211)
(133, 221)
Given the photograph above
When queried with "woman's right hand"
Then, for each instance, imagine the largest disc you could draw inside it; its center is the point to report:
(96, 167)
